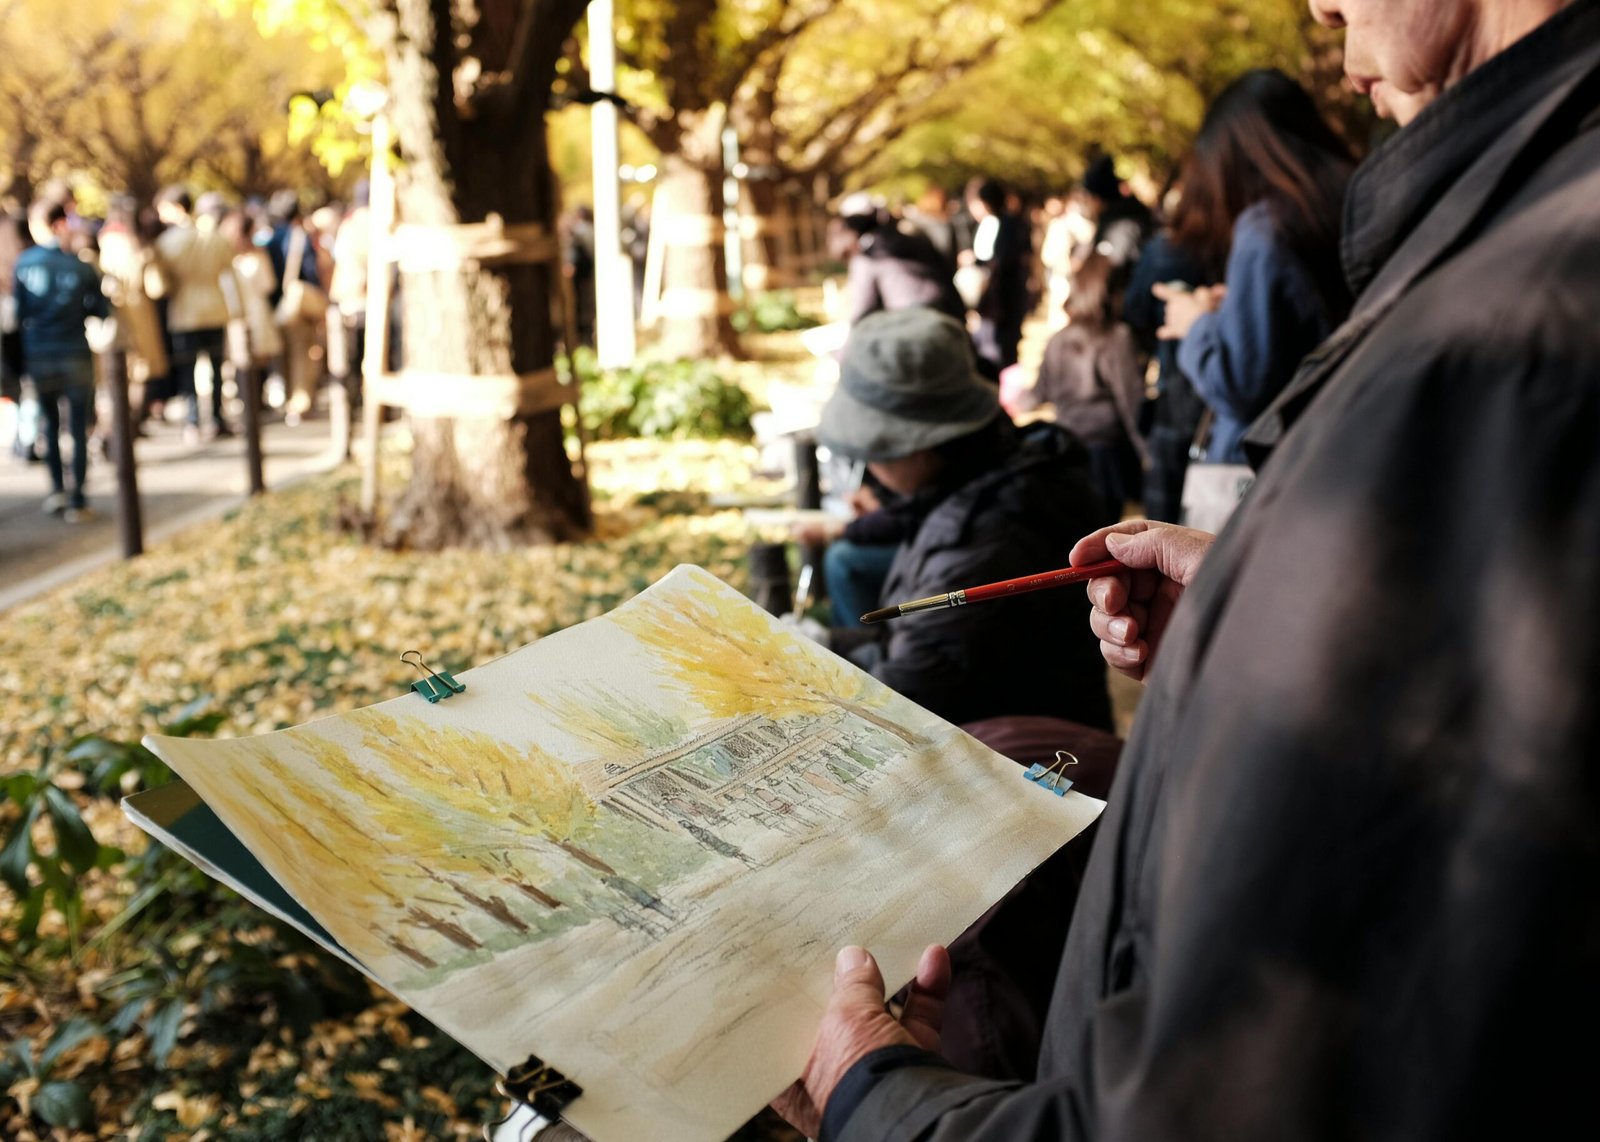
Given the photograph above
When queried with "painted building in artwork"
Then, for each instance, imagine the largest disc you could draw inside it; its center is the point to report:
(787, 776)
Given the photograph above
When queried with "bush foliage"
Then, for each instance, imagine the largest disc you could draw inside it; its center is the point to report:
(662, 400)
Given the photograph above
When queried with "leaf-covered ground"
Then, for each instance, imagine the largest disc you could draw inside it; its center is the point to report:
(276, 617)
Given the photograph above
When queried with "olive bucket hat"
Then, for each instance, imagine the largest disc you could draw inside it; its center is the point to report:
(906, 383)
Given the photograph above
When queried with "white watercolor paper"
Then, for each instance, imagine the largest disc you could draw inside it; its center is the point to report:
(633, 848)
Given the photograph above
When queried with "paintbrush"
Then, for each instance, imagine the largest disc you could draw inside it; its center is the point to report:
(1003, 589)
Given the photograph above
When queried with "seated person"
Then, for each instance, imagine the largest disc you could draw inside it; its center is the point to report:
(859, 552)
(985, 502)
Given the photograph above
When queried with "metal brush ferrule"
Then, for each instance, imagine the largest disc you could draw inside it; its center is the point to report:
(931, 603)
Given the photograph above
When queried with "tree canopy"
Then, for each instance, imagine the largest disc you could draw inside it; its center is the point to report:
(901, 92)
(127, 95)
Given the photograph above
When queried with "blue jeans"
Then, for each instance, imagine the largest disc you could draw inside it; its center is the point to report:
(72, 382)
(187, 346)
(855, 573)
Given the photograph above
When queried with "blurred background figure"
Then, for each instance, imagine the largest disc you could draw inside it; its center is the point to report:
(931, 214)
(132, 280)
(1002, 251)
(254, 340)
(347, 292)
(577, 263)
(1174, 416)
(892, 265)
(194, 259)
(1091, 382)
(56, 293)
(14, 239)
(1121, 222)
(1263, 191)
(299, 302)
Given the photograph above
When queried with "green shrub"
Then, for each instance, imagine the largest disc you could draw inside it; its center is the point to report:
(672, 400)
(772, 312)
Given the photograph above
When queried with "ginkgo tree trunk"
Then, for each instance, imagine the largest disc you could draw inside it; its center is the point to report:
(469, 86)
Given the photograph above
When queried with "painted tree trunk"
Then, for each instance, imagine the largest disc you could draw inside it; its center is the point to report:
(695, 310)
(479, 481)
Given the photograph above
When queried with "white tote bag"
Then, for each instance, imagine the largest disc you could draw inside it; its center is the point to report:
(1211, 491)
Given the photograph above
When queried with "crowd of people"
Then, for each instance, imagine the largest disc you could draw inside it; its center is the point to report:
(1348, 861)
(1155, 361)
(1177, 329)
(270, 296)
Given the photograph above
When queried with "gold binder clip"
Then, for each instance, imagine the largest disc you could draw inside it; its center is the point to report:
(1053, 777)
(435, 684)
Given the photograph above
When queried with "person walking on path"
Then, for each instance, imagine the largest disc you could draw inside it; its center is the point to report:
(254, 340)
(130, 279)
(195, 259)
(294, 265)
(56, 293)
(347, 292)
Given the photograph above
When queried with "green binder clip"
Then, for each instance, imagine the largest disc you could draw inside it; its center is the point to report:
(435, 684)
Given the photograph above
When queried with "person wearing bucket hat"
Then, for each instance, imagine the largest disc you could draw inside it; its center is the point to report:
(976, 501)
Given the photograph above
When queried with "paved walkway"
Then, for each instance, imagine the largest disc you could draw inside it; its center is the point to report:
(179, 485)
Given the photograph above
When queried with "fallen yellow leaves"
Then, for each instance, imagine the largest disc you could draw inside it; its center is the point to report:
(279, 618)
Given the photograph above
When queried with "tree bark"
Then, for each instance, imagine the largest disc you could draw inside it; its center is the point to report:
(695, 310)
(478, 481)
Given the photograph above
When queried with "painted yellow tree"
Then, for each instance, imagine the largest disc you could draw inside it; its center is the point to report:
(728, 654)
(439, 844)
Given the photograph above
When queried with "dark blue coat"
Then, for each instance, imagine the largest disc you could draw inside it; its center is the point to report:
(1243, 355)
(55, 293)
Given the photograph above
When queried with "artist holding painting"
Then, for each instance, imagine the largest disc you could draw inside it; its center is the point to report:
(1347, 885)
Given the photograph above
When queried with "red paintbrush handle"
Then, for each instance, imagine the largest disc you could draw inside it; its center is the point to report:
(1042, 580)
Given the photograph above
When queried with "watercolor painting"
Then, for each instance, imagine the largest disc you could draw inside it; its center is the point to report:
(613, 834)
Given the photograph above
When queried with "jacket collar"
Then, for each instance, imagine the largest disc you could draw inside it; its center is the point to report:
(1470, 149)
(1402, 180)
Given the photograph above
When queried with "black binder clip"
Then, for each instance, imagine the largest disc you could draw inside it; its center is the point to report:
(1053, 777)
(540, 1087)
(435, 684)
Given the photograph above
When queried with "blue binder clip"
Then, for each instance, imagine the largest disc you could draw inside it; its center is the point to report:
(435, 684)
(1053, 777)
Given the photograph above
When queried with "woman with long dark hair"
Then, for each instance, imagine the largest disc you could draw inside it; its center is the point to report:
(1263, 191)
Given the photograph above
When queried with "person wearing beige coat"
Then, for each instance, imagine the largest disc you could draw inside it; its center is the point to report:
(133, 282)
(196, 258)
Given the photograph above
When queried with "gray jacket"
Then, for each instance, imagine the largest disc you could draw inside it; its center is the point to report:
(1348, 883)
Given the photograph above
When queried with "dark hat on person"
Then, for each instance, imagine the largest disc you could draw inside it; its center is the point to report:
(906, 383)
(1101, 178)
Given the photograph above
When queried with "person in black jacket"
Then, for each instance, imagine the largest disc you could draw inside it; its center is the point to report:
(1175, 418)
(1347, 886)
(982, 503)
(1002, 249)
(1121, 222)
